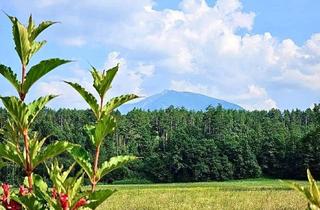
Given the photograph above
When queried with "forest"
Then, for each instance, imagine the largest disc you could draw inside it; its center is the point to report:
(177, 145)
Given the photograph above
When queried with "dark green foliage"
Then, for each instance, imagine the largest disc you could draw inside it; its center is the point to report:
(176, 145)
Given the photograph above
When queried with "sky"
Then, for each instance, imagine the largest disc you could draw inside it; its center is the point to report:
(258, 54)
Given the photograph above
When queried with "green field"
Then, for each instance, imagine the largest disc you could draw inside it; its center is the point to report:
(244, 195)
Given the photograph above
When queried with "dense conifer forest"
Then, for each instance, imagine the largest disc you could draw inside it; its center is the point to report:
(176, 145)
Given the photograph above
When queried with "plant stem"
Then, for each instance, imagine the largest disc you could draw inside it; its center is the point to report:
(28, 161)
(101, 106)
(95, 169)
(28, 167)
(23, 76)
(96, 160)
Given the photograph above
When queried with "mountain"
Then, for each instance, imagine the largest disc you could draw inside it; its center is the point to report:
(188, 100)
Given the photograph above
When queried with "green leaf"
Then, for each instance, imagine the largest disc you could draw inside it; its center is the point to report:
(39, 70)
(36, 46)
(29, 202)
(75, 188)
(21, 40)
(35, 146)
(39, 183)
(41, 27)
(102, 81)
(17, 110)
(114, 163)
(104, 126)
(88, 97)
(89, 129)
(313, 189)
(9, 152)
(40, 197)
(66, 173)
(10, 132)
(36, 106)
(98, 197)
(55, 172)
(82, 157)
(51, 151)
(10, 76)
(22, 114)
(118, 101)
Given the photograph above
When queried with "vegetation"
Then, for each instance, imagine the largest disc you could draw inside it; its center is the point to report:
(176, 145)
(23, 147)
(311, 192)
(241, 195)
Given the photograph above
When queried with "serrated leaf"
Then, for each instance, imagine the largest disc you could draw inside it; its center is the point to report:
(10, 76)
(10, 132)
(102, 81)
(114, 163)
(82, 157)
(39, 70)
(9, 152)
(87, 96)
(89, 129)
(22, 114)
(75, 188)
(66, 173)
(98, 197)
(51, 151)
(36, 106)
(35, 146)
(21, 40)
(38, 182)
(41, 27)
(118, 101)
(103, 127)
(17, 109)
(31, 25)
(36, 46)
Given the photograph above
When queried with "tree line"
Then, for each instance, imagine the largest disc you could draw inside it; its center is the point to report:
(177, 145)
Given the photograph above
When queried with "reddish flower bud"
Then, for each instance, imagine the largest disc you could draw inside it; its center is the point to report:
(6, 192)
(13, 205)
(81, 202)
(23, 191)
(64, 201)
(6, 202)
(54, 193)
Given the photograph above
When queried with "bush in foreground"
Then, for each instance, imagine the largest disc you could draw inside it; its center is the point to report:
(27, 149)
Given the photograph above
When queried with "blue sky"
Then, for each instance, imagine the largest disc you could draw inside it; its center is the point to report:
(258, 54)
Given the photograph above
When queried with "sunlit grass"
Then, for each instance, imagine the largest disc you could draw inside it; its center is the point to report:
(248, 194)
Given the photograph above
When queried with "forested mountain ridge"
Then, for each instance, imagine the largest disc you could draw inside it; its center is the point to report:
(188, 100)
(177, 145)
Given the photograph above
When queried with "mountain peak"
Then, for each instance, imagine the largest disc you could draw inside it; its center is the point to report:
(188, 100)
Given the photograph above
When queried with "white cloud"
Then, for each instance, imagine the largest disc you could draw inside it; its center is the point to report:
(78, 41)
(194, 48)
(129, 79)
(255, 98)
(182, 85)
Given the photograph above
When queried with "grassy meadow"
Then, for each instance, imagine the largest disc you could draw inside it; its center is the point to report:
(242, 195)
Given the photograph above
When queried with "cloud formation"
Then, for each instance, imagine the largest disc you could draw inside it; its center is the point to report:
(199, 48)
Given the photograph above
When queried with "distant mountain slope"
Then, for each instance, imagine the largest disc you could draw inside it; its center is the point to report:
(188, 100)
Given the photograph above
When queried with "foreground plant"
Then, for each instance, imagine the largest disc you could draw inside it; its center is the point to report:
(24, 151)
(105, 125)
(311, 192)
